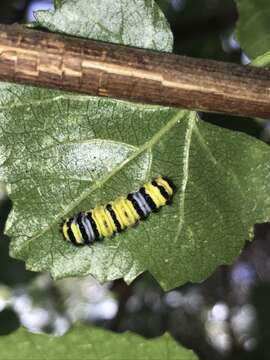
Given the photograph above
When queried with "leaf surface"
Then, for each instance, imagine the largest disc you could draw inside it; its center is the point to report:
(263, 60)
(66, 153)
(88, 343)
(138, 23)
(253, 27)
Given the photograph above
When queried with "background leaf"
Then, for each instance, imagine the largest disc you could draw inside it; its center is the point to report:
(90, 343)
(139, 23)
(253, 27)
(263, 60)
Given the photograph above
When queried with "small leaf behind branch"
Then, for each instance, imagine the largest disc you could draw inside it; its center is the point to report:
(253, 27)
(138, 23)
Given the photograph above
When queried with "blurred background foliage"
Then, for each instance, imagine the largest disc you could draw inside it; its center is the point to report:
(225, 317)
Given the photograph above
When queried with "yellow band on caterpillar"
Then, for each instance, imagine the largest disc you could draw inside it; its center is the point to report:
(111, 221)
(155, 195)
(103, 223)
(123, 212)
(116, 207)
(76, 232)
(65, 231)
(162, 182)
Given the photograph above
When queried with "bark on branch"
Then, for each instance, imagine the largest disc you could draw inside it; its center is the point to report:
(45, 59)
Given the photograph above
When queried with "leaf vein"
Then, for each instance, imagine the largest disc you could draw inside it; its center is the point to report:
(186, 157)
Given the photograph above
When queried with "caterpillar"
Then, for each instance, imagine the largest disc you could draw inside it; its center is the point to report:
(105, 221)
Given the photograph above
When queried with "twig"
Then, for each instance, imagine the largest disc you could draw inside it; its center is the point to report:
(45, 59)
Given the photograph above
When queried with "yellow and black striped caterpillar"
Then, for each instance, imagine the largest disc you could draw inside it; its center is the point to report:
(105, 221)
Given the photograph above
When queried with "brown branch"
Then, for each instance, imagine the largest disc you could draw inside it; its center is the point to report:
(68, 63)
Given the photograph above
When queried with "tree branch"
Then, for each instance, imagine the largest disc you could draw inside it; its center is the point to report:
(56, 61)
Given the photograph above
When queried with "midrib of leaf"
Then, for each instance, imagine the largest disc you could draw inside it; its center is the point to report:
(182, 196)
(146, 146)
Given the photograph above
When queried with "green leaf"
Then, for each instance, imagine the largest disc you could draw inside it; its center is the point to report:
(64, 153)
(262, 61)
(86, 343)
(138, 23)
(253, 27)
